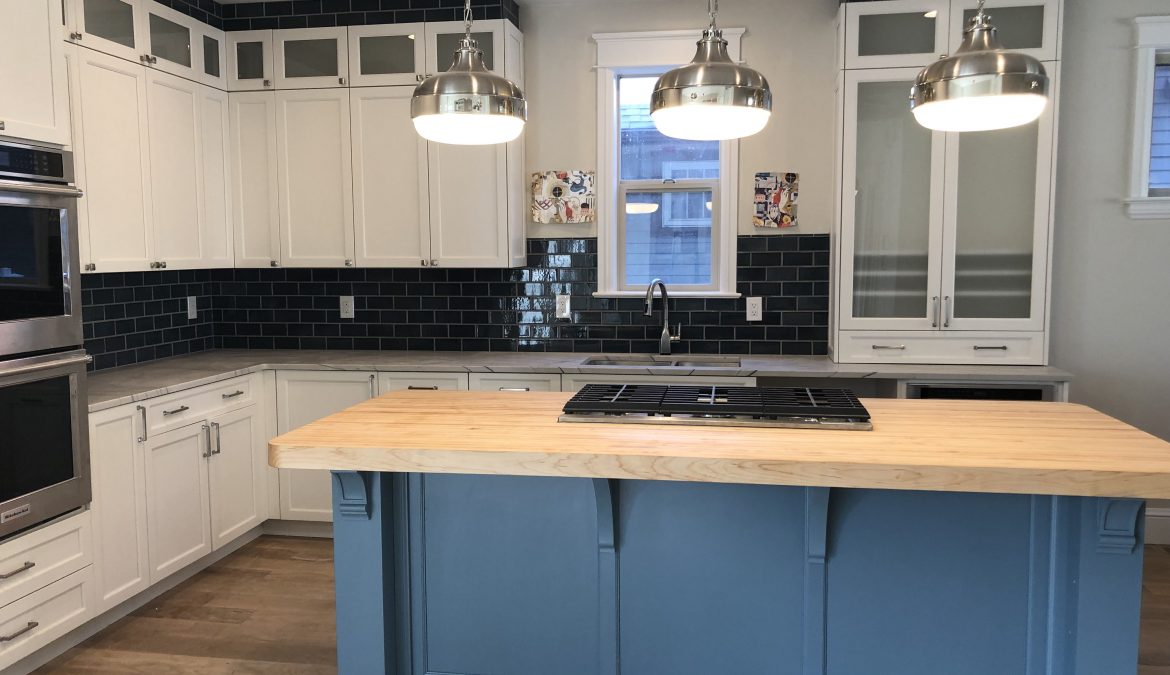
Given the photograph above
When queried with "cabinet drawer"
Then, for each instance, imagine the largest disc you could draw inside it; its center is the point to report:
(575, 382)
(41, 617)
(175, 410)
(388, 382)
(515, 382)
(38, 558)
(941, 348)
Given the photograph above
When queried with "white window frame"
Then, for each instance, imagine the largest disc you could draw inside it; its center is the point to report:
(1152, 37)
(651, 53)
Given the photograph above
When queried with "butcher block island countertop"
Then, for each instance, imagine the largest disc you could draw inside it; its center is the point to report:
(935, 445)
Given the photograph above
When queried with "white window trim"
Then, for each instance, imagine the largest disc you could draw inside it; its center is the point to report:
(644, 53)
(1153, 35)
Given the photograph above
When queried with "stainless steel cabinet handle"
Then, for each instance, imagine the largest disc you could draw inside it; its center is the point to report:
(19, 570)
(218, 440)
(425, 263)
(373, 390)
(145, 433)
(145, 58)
(341, 80)
(897, 347)
(348, 262)
(267, 83)
(9, 638)
(90, 267)
(947, 312)
(1002, 348)
(163, 264)
(232, 395)
(273, 263)
(75, 35)
(934, 306)
(176, 411)
(515, 389)
(433, 387)
(2, 123)
(419, 77)
(207, 440)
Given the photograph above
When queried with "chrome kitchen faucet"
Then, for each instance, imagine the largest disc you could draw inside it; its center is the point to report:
(666, 338)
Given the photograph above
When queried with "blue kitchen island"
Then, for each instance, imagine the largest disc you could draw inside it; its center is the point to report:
(475, 535)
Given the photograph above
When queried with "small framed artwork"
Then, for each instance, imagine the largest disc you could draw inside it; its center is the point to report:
(775, 199)
(563, 197)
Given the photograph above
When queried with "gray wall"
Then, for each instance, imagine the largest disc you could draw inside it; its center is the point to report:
(1111, 286)
(792, 42)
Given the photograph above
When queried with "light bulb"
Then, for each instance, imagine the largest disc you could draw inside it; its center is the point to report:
(710, 122)
(468, 129)
(981, 113)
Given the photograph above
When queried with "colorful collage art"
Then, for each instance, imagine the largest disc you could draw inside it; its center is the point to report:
(563, 197)
(775, 199)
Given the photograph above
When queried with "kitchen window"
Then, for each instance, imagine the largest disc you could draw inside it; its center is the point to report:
(1149, 191)
(667, 205)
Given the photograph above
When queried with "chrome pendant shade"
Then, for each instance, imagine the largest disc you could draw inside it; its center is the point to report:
(980, 87)
(712, 97)
(468, 104)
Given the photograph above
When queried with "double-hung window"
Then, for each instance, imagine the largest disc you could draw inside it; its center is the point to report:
(667, 205)
(1149, 191)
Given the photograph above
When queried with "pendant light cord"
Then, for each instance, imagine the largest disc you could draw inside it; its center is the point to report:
(712, 10)
(467, 19)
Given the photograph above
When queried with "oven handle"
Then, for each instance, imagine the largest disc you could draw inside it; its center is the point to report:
(46, 365)
(39, 189)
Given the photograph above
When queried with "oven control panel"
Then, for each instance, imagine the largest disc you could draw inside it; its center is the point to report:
(29, 162)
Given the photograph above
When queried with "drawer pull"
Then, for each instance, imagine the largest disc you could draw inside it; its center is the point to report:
(1002, 348)
(897, 347)
(9, 638)
(19, 570)
(176, 411)
(232, 395)
(433, 387)
(515, 389)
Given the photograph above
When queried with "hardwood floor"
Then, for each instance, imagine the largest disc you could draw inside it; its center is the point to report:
(268, 608)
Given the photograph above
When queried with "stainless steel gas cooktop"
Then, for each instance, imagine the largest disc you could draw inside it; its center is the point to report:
(790, 407)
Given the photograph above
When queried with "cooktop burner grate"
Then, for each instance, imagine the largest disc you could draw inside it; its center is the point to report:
(713, 405)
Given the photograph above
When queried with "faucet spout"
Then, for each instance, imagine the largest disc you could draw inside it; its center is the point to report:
(666, 338)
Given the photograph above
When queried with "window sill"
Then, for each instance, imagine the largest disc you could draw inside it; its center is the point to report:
(673, 294)
(1147, 208)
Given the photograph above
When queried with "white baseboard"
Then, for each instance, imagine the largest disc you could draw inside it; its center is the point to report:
(1158, 526)
(298, 528)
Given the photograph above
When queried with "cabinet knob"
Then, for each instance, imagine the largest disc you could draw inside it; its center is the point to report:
(348, 262)
(145, 58)
(162, 264)
(419, 77)
(267, 83)
(273, 263)
(90, 267)
(424, 263)
(341, 80)
(75, 35)
(1, 125)
(434, 263)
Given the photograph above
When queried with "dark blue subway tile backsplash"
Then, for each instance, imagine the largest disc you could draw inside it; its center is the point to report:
(137, 317)
(318, 13)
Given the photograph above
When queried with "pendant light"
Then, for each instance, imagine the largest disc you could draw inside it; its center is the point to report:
(468, 104)
(981, 86)
(712, 98)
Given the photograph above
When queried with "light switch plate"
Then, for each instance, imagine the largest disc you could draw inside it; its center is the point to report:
(563, 311)
(192, 307)
(347, 306)
(755, 309)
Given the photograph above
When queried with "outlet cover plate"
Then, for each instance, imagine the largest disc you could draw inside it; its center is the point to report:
(192, 307)
(755, 309)
(563, 310)
(346, 306)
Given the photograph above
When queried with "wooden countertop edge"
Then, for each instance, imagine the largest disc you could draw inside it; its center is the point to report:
(838, 474)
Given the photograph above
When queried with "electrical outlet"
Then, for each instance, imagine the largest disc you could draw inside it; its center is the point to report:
(347, 306)
(755, 309)
(192, 307)
(563, 311)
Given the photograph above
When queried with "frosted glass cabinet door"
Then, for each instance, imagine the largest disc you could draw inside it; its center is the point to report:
(443, 37)
(996, 227)
(109, 26)
(249, 60)
(1028, 26)
(386, 54)
(171, 41)
(891, 224)
(895, 34)
(311, 58)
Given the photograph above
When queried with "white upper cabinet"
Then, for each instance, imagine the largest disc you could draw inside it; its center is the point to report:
(310, 58)
(1029, 26)
(212, 64)
(443, 37)
(175, 113)
(35, 102)
(111, 151)
(895, 33)
(387, 54)
(216, 228)
(250, 60)
(391, 206)
(254, 176)
(171, 41)
(114, 27)
(469, 205)
(315, 182)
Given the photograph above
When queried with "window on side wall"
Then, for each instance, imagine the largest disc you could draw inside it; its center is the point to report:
(1149, 189)
(667, 206)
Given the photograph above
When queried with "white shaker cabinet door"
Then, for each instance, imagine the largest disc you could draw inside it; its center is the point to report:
(177, 498)
(117, 468)
(217, 203)
(35, 104)
(111, 147)
(469, 205)
(391, 211)
(303, 397)
(238, 474)
(315, 181)
(254, 193)
(174, 108)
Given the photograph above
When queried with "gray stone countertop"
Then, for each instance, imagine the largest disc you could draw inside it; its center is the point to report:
(117, 386)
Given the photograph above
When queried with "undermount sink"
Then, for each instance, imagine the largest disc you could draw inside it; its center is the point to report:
(664, 361)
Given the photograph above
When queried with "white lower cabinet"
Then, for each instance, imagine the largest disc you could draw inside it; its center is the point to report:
(434, 381)
(45, 615)
(518, 382)
(44, 555)
(302, 397)
(238, 474)
(575, 382)
(177, 498)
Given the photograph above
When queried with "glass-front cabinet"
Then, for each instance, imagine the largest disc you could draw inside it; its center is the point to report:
(443, 38)
(249, 55)
(310, 58)
(115, 27)
(386, 54)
